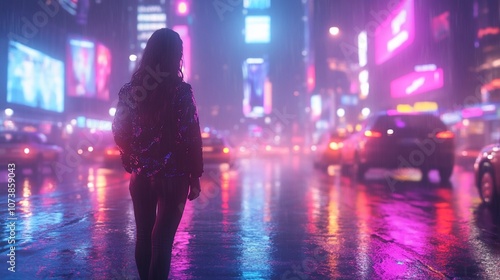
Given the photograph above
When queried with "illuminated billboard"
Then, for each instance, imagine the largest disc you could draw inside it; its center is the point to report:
(417, 82)
(257, 4)
(34, 79)
(395, 33)
(149, 19)
(441, 26)
(70, 6)
(183, 31)
(103, 71)
(256, 88)
(80, 68)
(88, 69)
(257, 29)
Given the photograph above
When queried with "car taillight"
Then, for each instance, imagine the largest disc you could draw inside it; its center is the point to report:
(225, 150)
(372, 134)
(445, 135)
(335, 145)
(26, 150)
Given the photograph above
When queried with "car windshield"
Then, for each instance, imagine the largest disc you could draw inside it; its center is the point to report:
(13, 138)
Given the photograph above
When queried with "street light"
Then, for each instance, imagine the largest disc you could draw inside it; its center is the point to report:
(365, 112)
(334, 31)
(340, 112)
(112, 111)
(9, 112)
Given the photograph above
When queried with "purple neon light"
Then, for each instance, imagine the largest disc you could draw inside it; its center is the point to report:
(395, 33)
(417, 82)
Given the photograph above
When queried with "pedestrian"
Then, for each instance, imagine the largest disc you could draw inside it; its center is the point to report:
(157, 130)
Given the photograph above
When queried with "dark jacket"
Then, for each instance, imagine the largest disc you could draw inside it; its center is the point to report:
(171, 146)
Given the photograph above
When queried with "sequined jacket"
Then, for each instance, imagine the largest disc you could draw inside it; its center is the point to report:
(170, 150)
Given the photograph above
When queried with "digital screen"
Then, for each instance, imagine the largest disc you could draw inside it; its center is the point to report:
(70, 6)
(34, 79)
(80, 68)
(256, 99)
(77, 8)
(395, 33)
(149, 19)
(441, 26)
(256, 4)
(183, 31)
(257, 29)
(103, 71)
(417, 82)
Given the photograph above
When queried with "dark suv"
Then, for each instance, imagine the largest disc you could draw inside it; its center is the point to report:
(401, 140)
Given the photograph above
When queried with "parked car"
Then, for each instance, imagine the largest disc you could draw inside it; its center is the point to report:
(327, 151)
(487, 175)
(27, 150)
(401, 140)
(216, 149)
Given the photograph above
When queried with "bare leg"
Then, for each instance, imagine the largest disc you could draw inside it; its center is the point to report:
(171, 201)
(144, 200)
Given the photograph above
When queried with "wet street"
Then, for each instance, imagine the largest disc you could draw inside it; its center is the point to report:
(266, 218)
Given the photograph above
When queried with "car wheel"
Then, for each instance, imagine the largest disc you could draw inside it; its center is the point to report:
(445, 173)
(487, 188)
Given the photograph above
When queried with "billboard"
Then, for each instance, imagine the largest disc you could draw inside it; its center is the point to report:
(88, 69)
(395, 33)
(34, 79)
(441, 26)
(257, 29)
(417, 82)
(149, 19)
(183, 31)
(103, 71)
(257, 4)
(256, 88)
(80, 68)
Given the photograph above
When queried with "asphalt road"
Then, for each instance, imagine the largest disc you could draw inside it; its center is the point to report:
(266, 218)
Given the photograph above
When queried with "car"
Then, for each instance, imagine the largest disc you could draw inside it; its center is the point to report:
(28, 150)
(327, 151)
(395, 140)
(112, 156)
(487, 175)
(216, 149)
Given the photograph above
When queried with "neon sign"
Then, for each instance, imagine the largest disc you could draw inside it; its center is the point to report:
(417, 82)
(395, 33)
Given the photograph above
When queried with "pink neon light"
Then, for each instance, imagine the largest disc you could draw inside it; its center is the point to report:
(472, 112)
(417, 82)
(311, 78)
(395, 33)
(183, 31)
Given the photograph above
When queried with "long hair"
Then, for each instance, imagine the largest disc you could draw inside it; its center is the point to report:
(158, 74)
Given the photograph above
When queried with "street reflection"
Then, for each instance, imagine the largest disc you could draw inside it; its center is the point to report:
(268, 219)
(254, 231)
(363, 238)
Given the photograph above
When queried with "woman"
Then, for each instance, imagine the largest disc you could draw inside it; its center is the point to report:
(157, 130)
